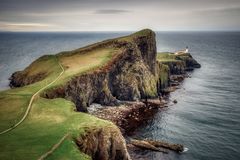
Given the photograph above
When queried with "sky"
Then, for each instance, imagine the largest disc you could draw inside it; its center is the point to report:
(119, 15)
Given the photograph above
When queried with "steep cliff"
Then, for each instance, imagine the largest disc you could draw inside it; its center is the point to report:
(178, 64)
(103, 144)
(133, 73)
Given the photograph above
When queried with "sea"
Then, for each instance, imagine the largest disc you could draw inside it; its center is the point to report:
(206, 119)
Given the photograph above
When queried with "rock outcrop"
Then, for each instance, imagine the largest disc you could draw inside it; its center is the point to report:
(179, 64)
(131, 75)
(128, 116)
(103, 144)
(20, 79)
(33, 73)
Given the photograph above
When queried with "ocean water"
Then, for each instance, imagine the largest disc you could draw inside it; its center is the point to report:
(206, 118)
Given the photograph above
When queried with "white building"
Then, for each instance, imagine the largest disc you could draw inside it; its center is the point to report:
(182, 51)
(186, 50)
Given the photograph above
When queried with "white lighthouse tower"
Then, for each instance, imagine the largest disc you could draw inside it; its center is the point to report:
(182, 51)
(187, 50)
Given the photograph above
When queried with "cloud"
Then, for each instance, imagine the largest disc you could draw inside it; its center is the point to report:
(24, 26)
(80, 15)
(110, 11)
(28, 25)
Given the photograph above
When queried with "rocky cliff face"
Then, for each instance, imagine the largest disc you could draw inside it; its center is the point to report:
(20, 79)
(35, 72)
(179, 64)
(132, 74)
(103, 144)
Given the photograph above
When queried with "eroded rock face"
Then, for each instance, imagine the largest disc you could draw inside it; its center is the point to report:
(19, 79)
(103, 144)
(89, 88)
(147, 47)
(181, 64)
(176, 67)
(131, 75)
(190, 62)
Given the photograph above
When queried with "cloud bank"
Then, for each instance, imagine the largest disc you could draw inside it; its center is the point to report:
(109, 15)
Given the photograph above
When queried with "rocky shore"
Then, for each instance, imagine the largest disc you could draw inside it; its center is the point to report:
(130, 114)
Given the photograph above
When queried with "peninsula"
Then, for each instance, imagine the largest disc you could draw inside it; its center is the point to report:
(46, 113)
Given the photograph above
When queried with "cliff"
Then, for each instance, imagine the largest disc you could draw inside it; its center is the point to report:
(178, 64)
(132, 73)
(103, 144)
(109, 73)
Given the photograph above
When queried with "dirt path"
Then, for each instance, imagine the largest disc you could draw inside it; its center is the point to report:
(54, 147)
(31, 101)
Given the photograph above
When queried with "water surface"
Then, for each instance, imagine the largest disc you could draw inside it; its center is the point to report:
(206, 118)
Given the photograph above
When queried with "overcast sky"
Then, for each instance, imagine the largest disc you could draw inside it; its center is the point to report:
(118, 15)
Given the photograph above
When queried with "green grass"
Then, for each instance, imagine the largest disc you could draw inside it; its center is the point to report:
(14, 102)
(69, 148)
(171, 57)
(166, 57)
(49, 120)
(131, 37)
(12, 109)
(47, 123)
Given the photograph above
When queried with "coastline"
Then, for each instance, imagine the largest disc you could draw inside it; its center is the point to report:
(124, 60)
(131, 115)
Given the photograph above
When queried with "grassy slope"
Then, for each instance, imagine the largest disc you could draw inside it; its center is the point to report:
(131, 37)
(47, 123)
(171, 57)
(49, 120)
(166, 57)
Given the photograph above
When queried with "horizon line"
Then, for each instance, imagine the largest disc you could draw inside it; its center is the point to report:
(122, 31)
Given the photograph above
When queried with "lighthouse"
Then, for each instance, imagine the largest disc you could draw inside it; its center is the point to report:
(186, 50)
